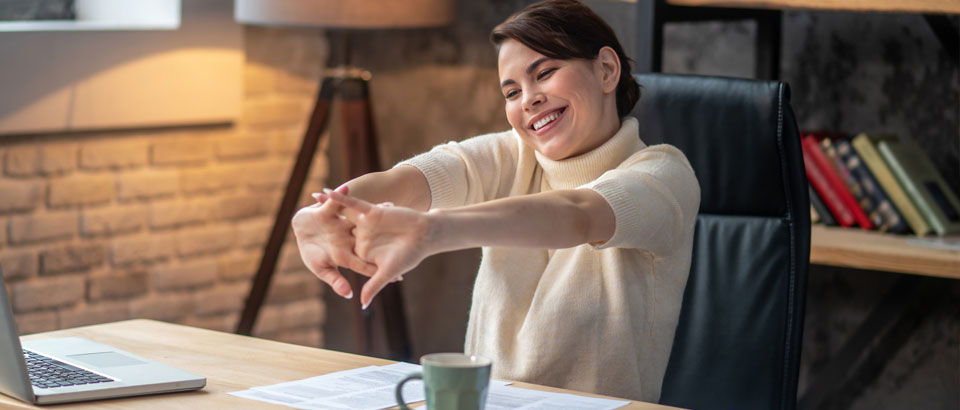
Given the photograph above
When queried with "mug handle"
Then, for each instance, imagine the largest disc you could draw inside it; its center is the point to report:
(399, 390)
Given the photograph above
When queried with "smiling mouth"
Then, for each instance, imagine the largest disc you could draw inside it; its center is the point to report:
(548, 119)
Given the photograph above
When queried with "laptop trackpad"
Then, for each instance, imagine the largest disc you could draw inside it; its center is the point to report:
(106, 359)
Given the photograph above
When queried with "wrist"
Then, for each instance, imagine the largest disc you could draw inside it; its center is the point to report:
(437, 236)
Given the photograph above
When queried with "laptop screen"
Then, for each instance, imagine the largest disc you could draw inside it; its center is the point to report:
(13, 370)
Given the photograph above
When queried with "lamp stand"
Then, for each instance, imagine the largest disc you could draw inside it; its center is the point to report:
(358, 156)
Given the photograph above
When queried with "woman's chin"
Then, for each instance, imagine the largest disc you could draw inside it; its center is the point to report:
(554, 153)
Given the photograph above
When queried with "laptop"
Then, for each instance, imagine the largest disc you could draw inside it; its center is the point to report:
(76, 369)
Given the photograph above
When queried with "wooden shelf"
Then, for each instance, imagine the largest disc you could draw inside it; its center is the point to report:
(893, 6)
(856, 248)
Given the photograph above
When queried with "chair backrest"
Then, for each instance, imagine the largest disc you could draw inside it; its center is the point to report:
(737, 344)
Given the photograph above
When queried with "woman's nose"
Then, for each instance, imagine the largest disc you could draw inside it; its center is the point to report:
(532, 99)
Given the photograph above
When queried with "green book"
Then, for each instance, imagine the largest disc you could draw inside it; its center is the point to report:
(866, 147)
(913, 169)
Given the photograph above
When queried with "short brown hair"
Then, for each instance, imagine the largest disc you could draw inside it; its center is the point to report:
(564, 30)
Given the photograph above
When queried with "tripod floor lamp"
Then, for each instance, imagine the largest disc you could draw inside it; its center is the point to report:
(359, 148)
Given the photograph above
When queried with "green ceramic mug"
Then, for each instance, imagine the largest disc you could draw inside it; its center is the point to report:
(453, 381)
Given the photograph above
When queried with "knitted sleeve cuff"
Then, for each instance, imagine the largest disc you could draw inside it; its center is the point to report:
(625, 210)
(444, 193)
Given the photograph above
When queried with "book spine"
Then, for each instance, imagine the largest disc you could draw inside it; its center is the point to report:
(835, 184)
(921, 181)
(866, 204)
(871, 157)
(819, 181)
(824, 214)
(874, 197)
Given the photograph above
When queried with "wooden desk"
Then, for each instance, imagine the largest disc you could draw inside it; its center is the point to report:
(230, 363)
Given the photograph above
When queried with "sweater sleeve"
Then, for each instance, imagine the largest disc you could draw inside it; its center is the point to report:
(655, 198)
(472, 171)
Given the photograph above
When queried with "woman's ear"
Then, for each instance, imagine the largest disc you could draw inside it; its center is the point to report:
(608, 64)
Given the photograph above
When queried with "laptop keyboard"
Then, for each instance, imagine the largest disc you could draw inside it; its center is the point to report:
(47, 373)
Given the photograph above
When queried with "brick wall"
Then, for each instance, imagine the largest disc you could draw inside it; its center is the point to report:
(166, 223)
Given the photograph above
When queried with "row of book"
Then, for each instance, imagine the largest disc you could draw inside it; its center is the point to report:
(877, 182)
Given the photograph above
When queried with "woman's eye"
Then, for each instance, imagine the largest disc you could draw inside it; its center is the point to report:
(511, 94)
(545, 73)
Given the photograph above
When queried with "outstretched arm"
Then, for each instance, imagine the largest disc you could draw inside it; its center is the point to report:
(396, 239)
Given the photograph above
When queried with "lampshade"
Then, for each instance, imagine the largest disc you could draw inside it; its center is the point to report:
(361, 14)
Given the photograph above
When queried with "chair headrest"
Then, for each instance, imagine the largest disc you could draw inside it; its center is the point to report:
(732, 132)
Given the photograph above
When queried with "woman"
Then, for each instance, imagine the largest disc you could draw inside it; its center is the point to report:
(586, 231)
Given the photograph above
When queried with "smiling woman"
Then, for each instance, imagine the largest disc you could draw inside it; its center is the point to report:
(586, 231)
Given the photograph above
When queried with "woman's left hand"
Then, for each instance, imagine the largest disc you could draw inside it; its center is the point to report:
(391, 237)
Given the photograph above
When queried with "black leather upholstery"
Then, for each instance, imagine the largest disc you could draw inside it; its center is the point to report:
(737, 344)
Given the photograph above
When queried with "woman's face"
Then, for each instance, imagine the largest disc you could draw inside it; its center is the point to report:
(561, 108)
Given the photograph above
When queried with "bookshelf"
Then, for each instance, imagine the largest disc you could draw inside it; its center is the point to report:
(856, 248)
(895, 6)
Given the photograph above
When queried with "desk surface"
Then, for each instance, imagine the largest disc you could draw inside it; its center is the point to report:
(230, 363)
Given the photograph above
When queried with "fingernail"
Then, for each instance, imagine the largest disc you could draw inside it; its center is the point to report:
(315, 195)
(350, 295)
(365, 306)
(327, 191)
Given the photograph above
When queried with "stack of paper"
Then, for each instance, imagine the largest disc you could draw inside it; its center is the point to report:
(372, 388)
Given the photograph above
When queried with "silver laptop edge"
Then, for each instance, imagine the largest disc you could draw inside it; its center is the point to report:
(133, 375)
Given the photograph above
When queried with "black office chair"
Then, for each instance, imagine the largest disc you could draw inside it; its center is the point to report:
(737, 344)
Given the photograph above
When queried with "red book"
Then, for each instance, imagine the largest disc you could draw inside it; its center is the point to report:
(819, 182)
(825, 180)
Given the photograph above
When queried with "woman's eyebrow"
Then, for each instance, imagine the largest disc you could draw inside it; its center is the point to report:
(530, 68)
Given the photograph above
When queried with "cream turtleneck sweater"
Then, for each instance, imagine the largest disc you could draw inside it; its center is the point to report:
(590, 318)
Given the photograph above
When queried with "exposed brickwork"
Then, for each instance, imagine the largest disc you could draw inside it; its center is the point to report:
(44, 293)
(170, 307)
(58, 158)
(81, 190)
(205, 240)
(207, 180)
(42, 227)
(148, 184)
(240, 266)
(113, 220)
(171, 214)
(71, 258)
(116, 154)
(188, 275)
(182, 151)
(293, 287)
(223, 299)
(166, 223)
(143, 249)
(90, 314)
(22, 161)
(242, 206)
(275, 111)
(36, 322)
(19, 195)
(242, 147)
(253, 233)
(117, 285)
(18, 264)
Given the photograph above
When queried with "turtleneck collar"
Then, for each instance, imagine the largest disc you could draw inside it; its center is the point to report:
(572, 172)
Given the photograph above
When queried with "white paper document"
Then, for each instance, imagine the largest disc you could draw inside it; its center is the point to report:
(514, 398)
(372, 388)
(366, 388)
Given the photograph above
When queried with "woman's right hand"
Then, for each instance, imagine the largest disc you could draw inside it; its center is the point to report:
(326, 242)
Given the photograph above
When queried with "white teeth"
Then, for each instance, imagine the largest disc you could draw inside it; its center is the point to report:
(545, 120)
